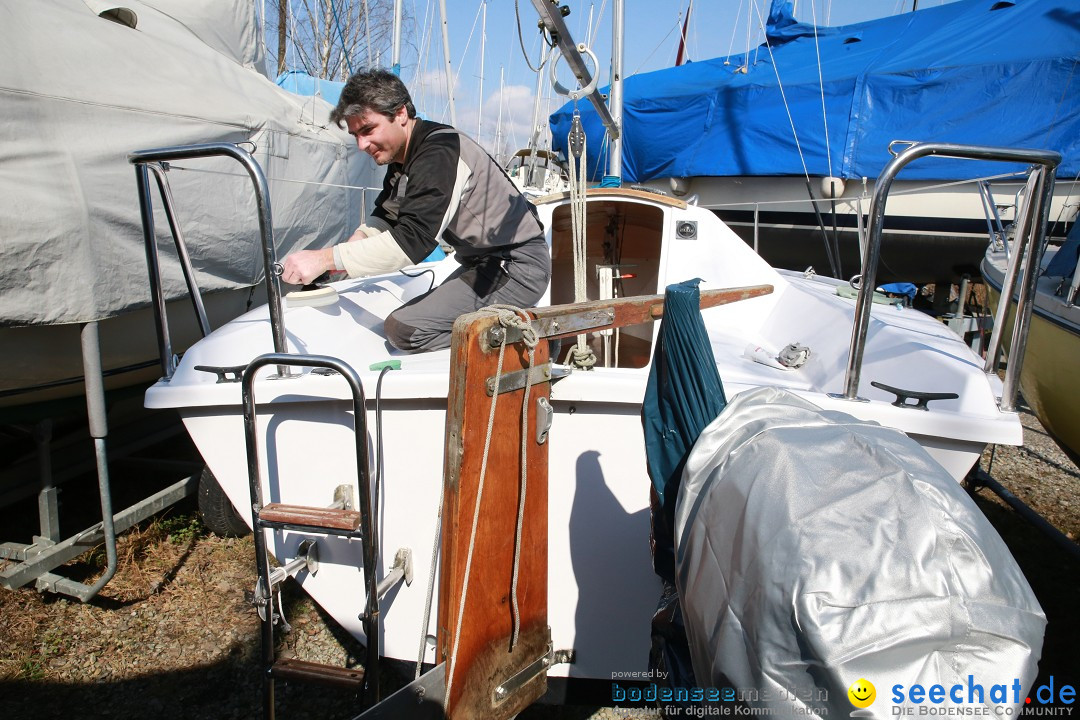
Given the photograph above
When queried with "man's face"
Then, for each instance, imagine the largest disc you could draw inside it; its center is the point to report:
(383, 138)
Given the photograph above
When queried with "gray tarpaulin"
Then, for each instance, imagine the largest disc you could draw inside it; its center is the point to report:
(815, 550)
(78, 92)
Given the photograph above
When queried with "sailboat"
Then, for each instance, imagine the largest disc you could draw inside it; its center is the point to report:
(296, 381)
(132, 76)
(598, 518)
(784, 142)
(1048, 379)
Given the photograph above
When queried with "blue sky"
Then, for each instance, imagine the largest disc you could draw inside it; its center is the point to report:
(485, 106)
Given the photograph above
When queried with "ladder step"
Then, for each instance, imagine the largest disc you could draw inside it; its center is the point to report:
(329, 518)
(304, 671)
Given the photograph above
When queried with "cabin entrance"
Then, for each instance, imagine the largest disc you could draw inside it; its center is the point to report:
(622, 259)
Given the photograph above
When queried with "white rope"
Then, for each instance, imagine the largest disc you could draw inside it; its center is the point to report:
(509, 316)
(512, 317)
(581, 355)
(472, 534)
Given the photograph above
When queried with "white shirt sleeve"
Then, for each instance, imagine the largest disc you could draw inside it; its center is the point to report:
(371, 256)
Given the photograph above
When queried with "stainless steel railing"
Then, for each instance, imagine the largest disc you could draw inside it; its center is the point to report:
(1036, 217)
(146, 161)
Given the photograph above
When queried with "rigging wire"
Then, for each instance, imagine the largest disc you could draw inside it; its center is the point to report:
(521, 41)
(596, 24)
(734, 29)
(468, 44)
(833, 264)
(821, 86)
(684, 43)
(828, 146)
(657, 47)
(341, 35)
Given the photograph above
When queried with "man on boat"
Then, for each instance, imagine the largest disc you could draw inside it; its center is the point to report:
(439, 184)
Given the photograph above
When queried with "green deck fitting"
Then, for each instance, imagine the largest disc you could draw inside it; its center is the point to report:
(392, 364)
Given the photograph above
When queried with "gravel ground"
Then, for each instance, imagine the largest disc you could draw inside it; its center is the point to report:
(174, 636)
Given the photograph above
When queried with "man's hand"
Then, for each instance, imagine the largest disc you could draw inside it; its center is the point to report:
(303, 266)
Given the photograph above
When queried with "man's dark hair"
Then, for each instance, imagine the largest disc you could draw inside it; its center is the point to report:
(379, 91)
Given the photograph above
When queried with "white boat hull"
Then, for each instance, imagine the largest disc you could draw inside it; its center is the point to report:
(1048, 377)
(602, 590)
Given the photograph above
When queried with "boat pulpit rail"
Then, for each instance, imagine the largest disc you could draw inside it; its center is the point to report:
(1043, 172)
(155, 160)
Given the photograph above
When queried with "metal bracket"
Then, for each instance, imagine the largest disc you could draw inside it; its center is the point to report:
(574, 322)
(544, 415)
(307, 558)
(402, 569)
(518, 680)
(570, 324)
(511, 381)
(422, 699)
(343, 498)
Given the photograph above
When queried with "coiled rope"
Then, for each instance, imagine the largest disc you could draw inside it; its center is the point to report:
(580, 354)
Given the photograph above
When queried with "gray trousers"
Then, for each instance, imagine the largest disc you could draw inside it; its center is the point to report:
(516, 276)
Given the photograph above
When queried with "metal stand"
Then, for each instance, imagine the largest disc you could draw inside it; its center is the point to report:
(36, 561)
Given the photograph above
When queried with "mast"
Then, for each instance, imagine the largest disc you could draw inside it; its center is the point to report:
(616, 92)
(449, 66)
(395, 58)
(680, 55)
(498, 125)
(367, 31)
(483, 44)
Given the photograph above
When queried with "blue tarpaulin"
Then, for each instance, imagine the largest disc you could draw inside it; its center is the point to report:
(300, 83)
(985, 72)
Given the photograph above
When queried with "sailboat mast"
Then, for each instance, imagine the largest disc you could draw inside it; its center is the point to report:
(615, 101)
(483, 44)
(449, 66)
(681, 54)
(367, 31)
(497, 150)
(395, 58)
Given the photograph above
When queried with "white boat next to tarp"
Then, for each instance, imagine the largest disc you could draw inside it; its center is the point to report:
(637, 243)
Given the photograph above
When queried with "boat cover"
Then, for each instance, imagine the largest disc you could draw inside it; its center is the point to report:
(1063, 263)
(986, 72)
(80, 92)
(815, 550)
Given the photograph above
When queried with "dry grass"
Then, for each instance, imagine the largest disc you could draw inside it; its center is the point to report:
(173, 635)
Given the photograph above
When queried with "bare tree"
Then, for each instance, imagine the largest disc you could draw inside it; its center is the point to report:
(330, 38)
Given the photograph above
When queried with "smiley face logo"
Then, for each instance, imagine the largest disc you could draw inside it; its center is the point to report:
(861, 693)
